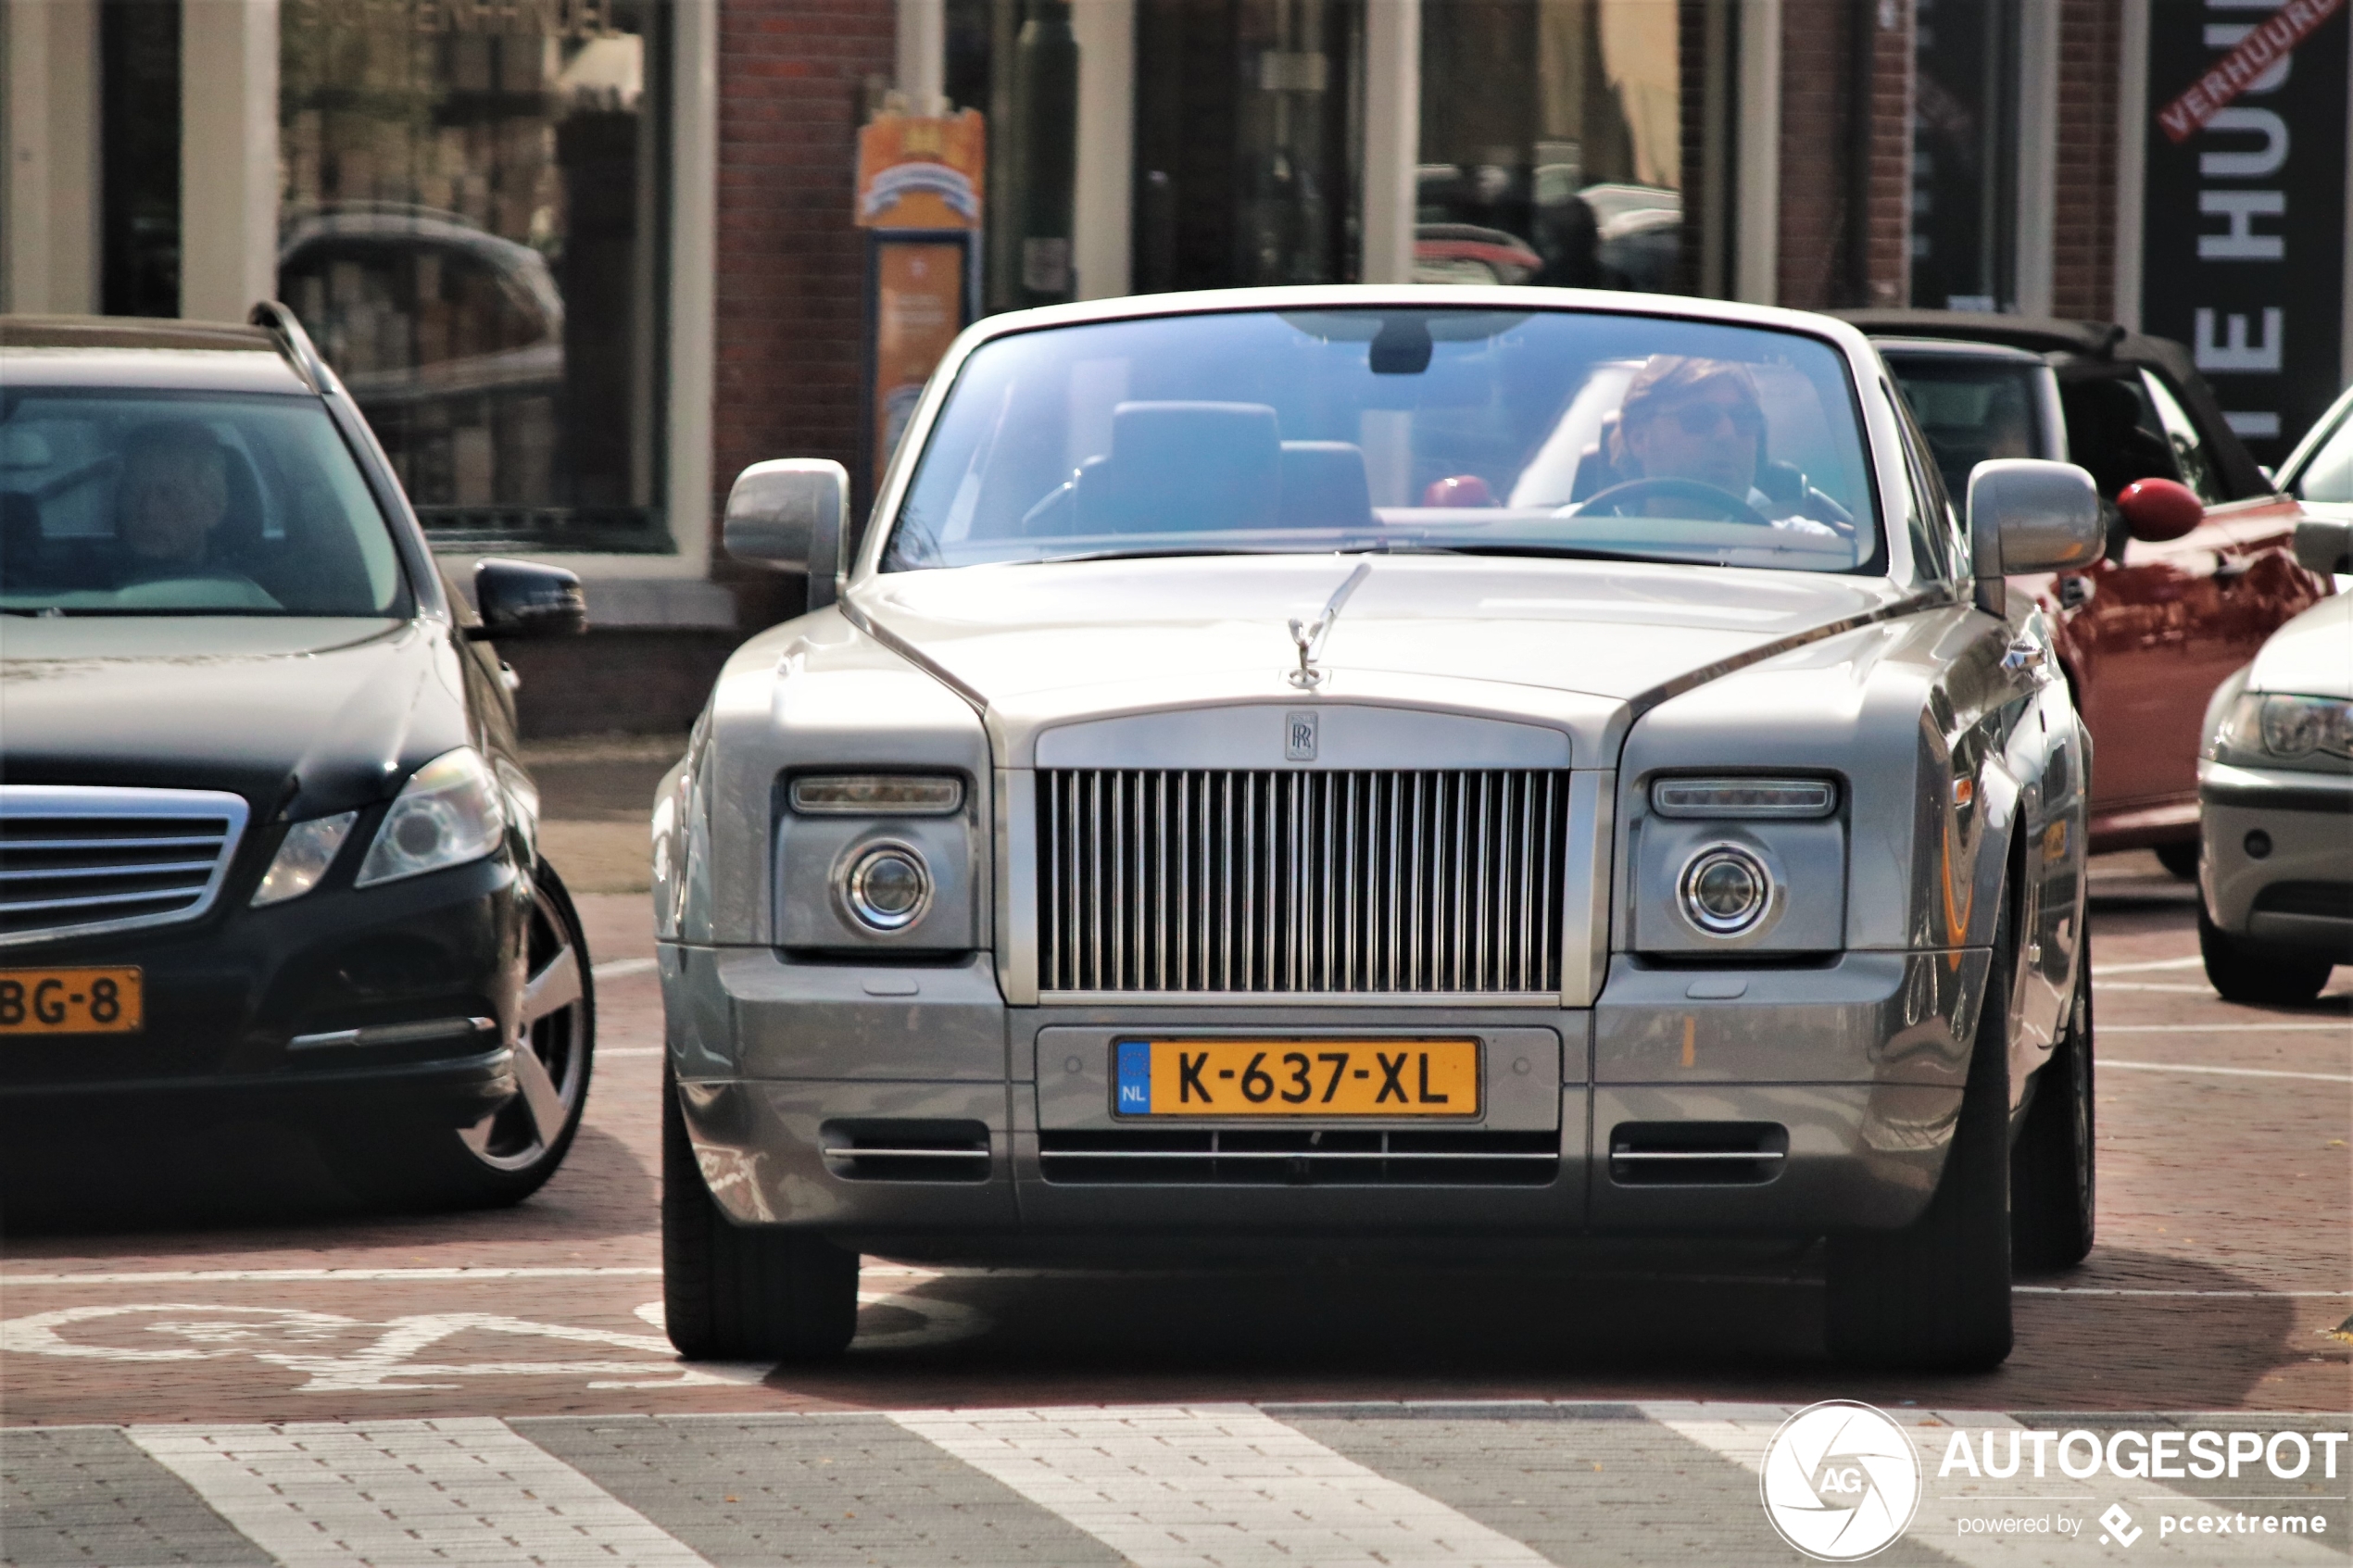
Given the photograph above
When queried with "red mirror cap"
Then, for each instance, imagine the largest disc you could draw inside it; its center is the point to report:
(1458, 489)
(2159, 509)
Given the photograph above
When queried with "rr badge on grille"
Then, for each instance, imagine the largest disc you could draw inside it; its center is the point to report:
(1299, 737)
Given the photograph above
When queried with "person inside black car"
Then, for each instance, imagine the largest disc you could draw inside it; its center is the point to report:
(170, 505)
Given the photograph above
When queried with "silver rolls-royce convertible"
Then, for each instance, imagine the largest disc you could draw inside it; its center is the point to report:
(1387, 769)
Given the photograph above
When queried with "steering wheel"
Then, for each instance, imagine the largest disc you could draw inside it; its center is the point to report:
(1732, 508)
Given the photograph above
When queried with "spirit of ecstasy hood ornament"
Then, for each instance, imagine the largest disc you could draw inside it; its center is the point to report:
(1309, 636)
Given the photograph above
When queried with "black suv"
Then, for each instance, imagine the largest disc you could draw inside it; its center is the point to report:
(266, 846)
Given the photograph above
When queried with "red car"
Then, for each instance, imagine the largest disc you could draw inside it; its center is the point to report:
(2200, 566)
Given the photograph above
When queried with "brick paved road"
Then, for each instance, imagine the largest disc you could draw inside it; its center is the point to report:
(182, 1297)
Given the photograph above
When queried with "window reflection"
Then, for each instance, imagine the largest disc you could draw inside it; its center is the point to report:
(470, 232)
(1551, 139)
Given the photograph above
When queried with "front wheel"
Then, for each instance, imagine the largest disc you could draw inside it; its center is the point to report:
(1935, 1297)
(2241, 970)
(509, 1154)
(743, 1293)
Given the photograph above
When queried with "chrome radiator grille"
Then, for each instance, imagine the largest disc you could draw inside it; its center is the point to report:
(82, 861)
(1438, 881)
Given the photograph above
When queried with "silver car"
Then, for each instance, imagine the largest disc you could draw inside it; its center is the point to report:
(2275, 789)
(1198, 819)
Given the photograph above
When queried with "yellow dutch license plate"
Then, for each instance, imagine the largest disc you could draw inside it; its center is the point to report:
(70, 1001)
(1165, 1078)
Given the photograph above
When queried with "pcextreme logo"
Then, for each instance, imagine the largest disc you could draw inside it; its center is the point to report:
(1840, 1481)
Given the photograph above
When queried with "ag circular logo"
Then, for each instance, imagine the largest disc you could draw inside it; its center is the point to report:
(1840, 1481)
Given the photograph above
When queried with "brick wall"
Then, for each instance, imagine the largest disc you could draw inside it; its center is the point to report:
(1887, 261)
(1823, 262)
(790, 266)
(1816, 153)
(2084, 235)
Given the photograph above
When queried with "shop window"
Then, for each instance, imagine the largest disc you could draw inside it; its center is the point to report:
(1246, 116)
(1965, 154)
(139, 153)
(472, 229)
(1552, 143)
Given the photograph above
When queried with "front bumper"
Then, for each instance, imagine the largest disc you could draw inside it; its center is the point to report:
(393, 1001)
(2298, 895)
(911, 1109)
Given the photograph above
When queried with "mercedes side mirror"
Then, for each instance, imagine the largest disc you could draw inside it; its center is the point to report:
(792, 513)
(2325, 545)
(519, 598)
(2158, 510)
(2029, 514)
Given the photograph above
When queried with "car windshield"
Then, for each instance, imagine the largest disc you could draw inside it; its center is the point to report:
(1972, 410)
(151, 503)
(1531, 433)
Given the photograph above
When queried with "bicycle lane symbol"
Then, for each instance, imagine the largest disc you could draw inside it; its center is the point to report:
(338, 1354)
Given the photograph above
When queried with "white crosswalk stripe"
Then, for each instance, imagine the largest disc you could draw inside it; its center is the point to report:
(400, 1493)
(1222, 1485)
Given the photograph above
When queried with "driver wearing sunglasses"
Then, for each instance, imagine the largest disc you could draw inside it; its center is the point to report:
(1694, 419)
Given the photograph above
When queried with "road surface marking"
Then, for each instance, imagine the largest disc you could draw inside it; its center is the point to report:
(327, 1494)
(2100, 969)
(622, 969)
(2104, 1290)
(1189, 1485)
(274, 1276)
(2345, 1028)
(631, 1050)
(2224, 1071)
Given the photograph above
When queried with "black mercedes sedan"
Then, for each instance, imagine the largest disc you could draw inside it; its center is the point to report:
(266, 848)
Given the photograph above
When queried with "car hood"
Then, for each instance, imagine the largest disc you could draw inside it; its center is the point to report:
(1049, 641)
(341, 710)
(2312, 655)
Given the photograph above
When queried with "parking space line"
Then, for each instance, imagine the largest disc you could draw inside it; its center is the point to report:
(462, 1490)
(622, 969)
(2100, 970)
(1184, 1487)
(2224, 1071)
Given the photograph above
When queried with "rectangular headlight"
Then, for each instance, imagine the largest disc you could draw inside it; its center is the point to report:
(877, 794)
(1744, 798)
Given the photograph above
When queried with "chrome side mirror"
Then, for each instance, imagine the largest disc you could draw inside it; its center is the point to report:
(792, 513)
(2324, 544)
(2029, 514)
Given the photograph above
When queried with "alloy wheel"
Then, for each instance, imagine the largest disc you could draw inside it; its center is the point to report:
(551, 1047)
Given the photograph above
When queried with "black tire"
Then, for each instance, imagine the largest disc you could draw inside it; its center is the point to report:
(2054, 1170)
(2179, 859)
(743, 1293)
(1935, 1297)
(510, 1153)
(2241, 970)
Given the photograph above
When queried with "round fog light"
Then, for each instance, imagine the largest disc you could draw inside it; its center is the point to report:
(2258, 845)
(1725, 890)
(888, 887)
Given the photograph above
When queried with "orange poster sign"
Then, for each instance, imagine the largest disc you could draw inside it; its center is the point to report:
(917, 172)
(919, 308)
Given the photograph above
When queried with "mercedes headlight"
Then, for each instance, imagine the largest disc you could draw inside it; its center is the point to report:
(448, 813)
(308, 849)
(2290, 727)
